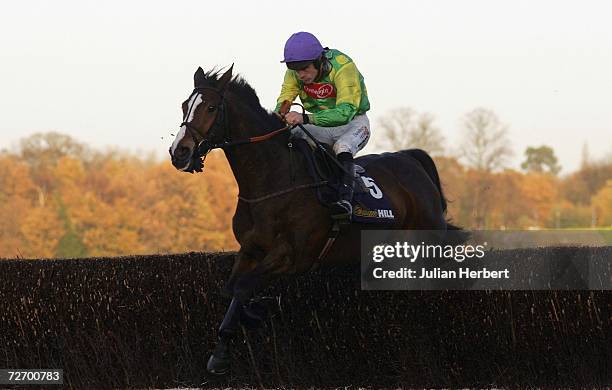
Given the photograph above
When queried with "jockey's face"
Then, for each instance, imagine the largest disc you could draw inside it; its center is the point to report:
(308, 75)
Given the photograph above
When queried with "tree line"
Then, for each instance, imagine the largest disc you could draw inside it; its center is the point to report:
(60, 198)
(485, 193)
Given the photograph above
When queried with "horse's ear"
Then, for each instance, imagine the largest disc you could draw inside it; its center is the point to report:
(227, 76)
(199, 77)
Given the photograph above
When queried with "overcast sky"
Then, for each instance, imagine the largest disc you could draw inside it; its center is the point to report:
(115, 72)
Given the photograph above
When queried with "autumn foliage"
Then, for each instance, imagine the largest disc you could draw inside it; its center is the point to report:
(109, 204)
(510, 199)
(60, 199)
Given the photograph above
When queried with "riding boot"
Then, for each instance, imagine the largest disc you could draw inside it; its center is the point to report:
(342, 210)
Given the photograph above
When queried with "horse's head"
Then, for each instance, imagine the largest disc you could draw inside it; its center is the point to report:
(203, 121)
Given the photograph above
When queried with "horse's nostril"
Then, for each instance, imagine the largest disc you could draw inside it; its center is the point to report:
(181, 152)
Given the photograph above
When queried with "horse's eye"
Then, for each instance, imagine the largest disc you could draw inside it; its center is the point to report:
(212, 108)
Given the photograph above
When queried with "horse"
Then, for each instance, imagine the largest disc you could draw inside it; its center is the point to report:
(279, 223)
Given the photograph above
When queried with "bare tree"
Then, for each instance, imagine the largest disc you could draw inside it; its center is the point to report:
(585, 159)
(485, 146)
(404, 128)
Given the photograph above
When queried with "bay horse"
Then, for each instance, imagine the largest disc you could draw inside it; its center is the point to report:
(279, 223)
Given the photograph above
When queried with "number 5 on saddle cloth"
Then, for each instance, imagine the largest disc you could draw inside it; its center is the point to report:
(370, 205)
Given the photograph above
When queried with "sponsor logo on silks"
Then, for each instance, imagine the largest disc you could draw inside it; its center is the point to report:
(361, 212)
(320, 90)
(385, 214)
(380, 213)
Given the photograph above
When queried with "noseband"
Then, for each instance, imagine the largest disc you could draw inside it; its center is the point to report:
(206, 143)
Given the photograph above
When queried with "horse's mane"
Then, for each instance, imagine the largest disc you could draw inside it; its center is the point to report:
(240, 87)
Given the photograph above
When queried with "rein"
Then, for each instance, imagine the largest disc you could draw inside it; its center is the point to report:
(204, 146)
(250, 140)
(282, 192)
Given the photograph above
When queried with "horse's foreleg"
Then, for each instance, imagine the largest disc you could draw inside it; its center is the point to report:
(247, 276)
(236, 314)
(231, 321)
(276, 261)
(219, 361)
(244, 264)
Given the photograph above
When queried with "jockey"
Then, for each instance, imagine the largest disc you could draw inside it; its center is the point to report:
(333, 91)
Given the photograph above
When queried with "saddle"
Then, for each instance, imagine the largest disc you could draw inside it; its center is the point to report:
(370, 205)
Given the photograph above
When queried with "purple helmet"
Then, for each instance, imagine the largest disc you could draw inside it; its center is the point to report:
(301, 49)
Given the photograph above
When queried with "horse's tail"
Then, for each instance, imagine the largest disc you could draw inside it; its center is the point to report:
(459, 235)
(430, 167)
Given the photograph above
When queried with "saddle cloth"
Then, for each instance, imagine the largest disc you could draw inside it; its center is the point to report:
(370, 205)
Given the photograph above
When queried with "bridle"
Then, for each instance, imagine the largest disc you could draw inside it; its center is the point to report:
(205, 145)
(206, 142)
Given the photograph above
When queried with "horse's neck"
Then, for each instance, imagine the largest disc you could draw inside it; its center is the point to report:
(259, 168)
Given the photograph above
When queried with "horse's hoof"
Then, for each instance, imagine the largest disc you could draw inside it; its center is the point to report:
(219, 361)
(217, 366)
